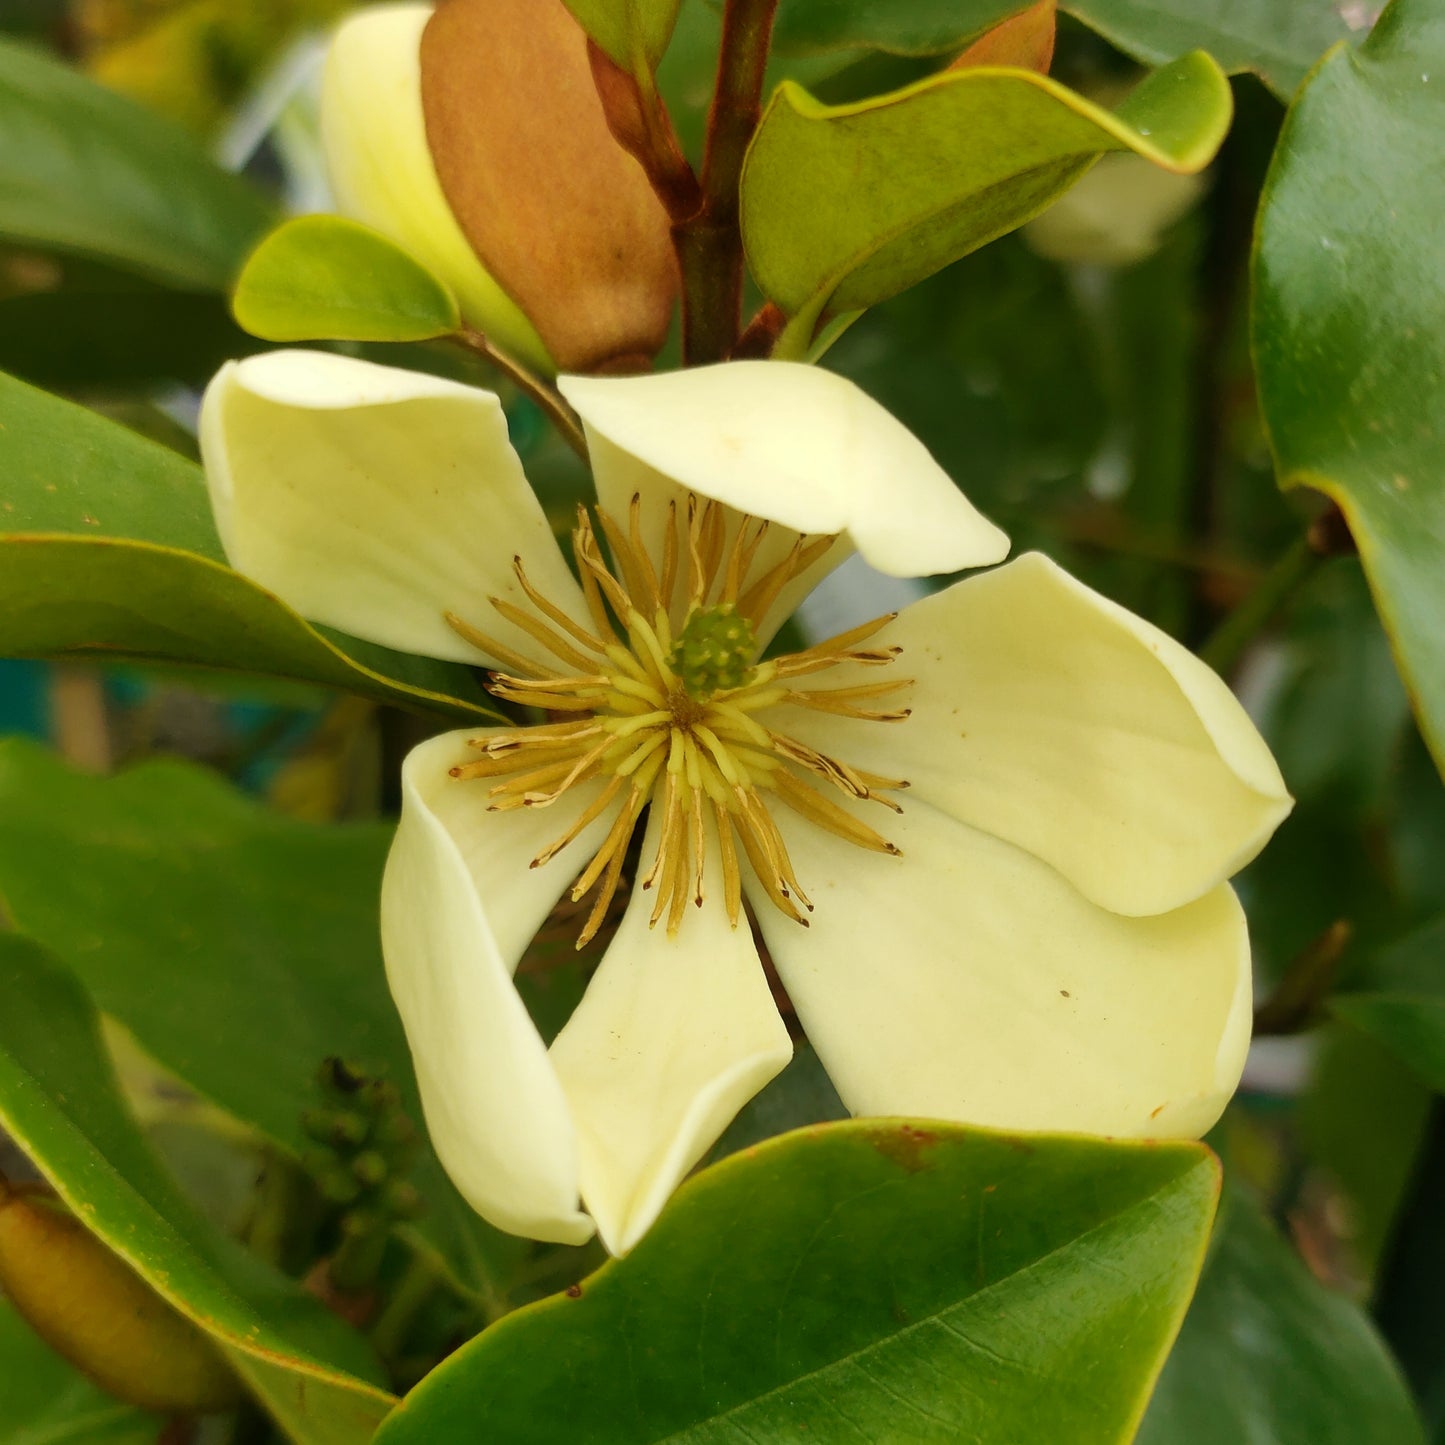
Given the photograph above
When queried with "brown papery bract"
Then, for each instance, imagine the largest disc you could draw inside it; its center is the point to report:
(560, 215)
(1025, 40)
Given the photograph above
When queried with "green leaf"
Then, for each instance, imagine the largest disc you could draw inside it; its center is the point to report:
(904, 27)
(633, 32)
(1407, 1298)
(125, 337)
(1339, 711)
(107, 548)
(83, 169)
(1270, 1356)
(1399, 998)
(992, 365)
(60, 1101)
(1349, 321)
(1362, 1121)
(45, 1402)
(844, 206)
(324, 277)
(195, 916)
(867, 1280)
(1279, 40)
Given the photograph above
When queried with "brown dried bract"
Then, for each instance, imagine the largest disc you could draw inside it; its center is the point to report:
(1025, 40)
(557, 211)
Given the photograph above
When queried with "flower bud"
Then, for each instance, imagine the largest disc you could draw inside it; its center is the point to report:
(89, 1306)
(473, 137)
(559, 213)
(381, 171)
(370, 1168)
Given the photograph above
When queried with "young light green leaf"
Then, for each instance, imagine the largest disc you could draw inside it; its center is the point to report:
(327, 278)
(83, 169)
(107, 548)
(1304, 1365)
(59, 1100)
(844, 206)
(191, 913)
(870, 1280)
(1349, 322)
(1279, 40)
(633, 32)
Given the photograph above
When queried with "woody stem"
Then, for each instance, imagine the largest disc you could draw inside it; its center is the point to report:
(710, 244)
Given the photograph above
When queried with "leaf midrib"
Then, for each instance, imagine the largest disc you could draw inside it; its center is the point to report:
(680, 1437)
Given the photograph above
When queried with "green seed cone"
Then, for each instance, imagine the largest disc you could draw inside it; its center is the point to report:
(90, 1307)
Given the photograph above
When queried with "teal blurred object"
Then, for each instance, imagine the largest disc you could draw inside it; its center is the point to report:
(23, 706)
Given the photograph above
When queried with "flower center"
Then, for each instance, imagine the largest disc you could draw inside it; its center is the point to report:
(662, 701)
(714, 652)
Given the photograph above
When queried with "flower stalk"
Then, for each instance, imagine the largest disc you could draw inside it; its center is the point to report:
(710, 245)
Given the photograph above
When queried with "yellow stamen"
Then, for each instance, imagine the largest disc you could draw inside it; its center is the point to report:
(702, 753)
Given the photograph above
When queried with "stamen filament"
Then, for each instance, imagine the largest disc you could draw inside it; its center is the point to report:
(557, 615)
(483, 642)
(673, 711)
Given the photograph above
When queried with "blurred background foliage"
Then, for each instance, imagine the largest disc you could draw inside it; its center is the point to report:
(1088, 382)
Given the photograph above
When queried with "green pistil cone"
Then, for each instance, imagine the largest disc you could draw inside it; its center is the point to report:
(714, 652)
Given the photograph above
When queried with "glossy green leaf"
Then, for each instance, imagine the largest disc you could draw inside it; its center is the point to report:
(633, 32)
(194, 915)
(1407, 1298)
(870, 1280)
(43, 1401)
(844, 206)
(60, 1101)
(1349, 321)
(107, 548)
(83, 169)
(125, 339)
(1270, 1356)
(1362, 1121)
(316, 278)
(905, 27)
(1279, 40)
(1339, 711)
(1398, 998)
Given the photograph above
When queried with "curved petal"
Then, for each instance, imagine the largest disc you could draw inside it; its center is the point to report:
(458, 906)
(967, 981)
(795, 444)
(373, 131)
(674, 1036)
(663, 503)
(1053, 718)
(376, 500)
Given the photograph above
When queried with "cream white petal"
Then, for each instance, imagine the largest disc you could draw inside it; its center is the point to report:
(619, 477)
(968, 981)
(376, 500)
(373, 133)
(1055, 719)
(674, 1035)
(458, 906)
(795, 444)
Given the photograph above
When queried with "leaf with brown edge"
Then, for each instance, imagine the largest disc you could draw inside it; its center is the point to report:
(1025, 40)
(559, 214)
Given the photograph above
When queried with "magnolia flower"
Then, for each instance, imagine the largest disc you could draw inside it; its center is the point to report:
(985, 841)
